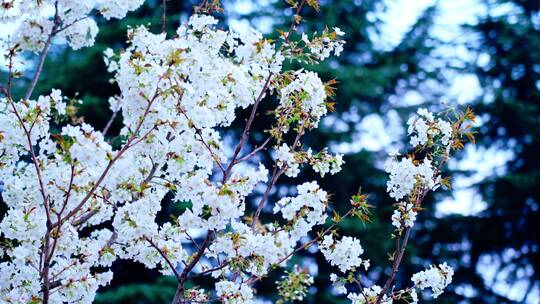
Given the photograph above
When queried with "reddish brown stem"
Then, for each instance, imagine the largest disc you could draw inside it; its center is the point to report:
(245, 133)
(275, 176)
(164, 17)
(400, 249)
(179, 296)
(164, 256)
(43, 54)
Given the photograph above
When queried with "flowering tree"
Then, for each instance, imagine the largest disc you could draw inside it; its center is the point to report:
(76, 202)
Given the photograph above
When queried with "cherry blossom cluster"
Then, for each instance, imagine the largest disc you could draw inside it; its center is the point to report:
(285, 158)
(304, 211)
(233, 293)
(407, 174)
(435, 277)
(321, 162)
(404, 216)
(293, 286)
(76, 202)
(369, 295)
(345, 253)
(249, 251)
(302, 92)
(323, 45)
(410, 179)
(425, 128)
(71, 21)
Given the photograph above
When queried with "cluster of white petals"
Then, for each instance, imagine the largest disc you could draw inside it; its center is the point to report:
(35, 22)
(197, 295)
(321, 162)
(285, 158)
(294, 285)
(425, 127)
(324, 163)
(404, 216)
(338, 283)
(369, 295)
(305, 94)
(345, 253)
(305, 210)
(406, 176)
(233, 293)
(258, 250)
(435, 277)
(323, 46)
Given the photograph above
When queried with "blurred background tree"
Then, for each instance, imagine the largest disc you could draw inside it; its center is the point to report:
(495, 251)
(497, 248)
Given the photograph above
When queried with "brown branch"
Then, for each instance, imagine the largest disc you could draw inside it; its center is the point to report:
(193, 241)
(44, 254)
(164, 256)
(54, 31)
(32, 155)
(4, 91)
(183, 277)
(247, 127)
(164, 17)
(398, 256)
(109, 123)
(43, 54)
(400, 249)
(63, 28)
(59, 214)
(275, 176)
(10, 72)
(255, 151)
(210, 270)
(245, 133)
(206, 145)
(84, 218)
(292, 28)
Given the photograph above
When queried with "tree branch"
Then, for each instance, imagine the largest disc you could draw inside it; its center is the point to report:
(173, 268)
(43, 54)
(179, 295)
(164, 17)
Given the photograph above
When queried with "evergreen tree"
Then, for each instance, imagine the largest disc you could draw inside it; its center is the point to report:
(503, 238)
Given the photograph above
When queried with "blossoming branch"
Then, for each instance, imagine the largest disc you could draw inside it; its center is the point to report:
(177, 94)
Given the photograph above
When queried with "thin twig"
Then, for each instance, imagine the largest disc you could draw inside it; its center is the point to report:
(275, 176)
(164, 257)
(210, 270)
(43, 54)
(255, 151)
(247, 127)
(245, 133)
(183, 277)
(109, 123)
(400, 248)
(164, 17)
